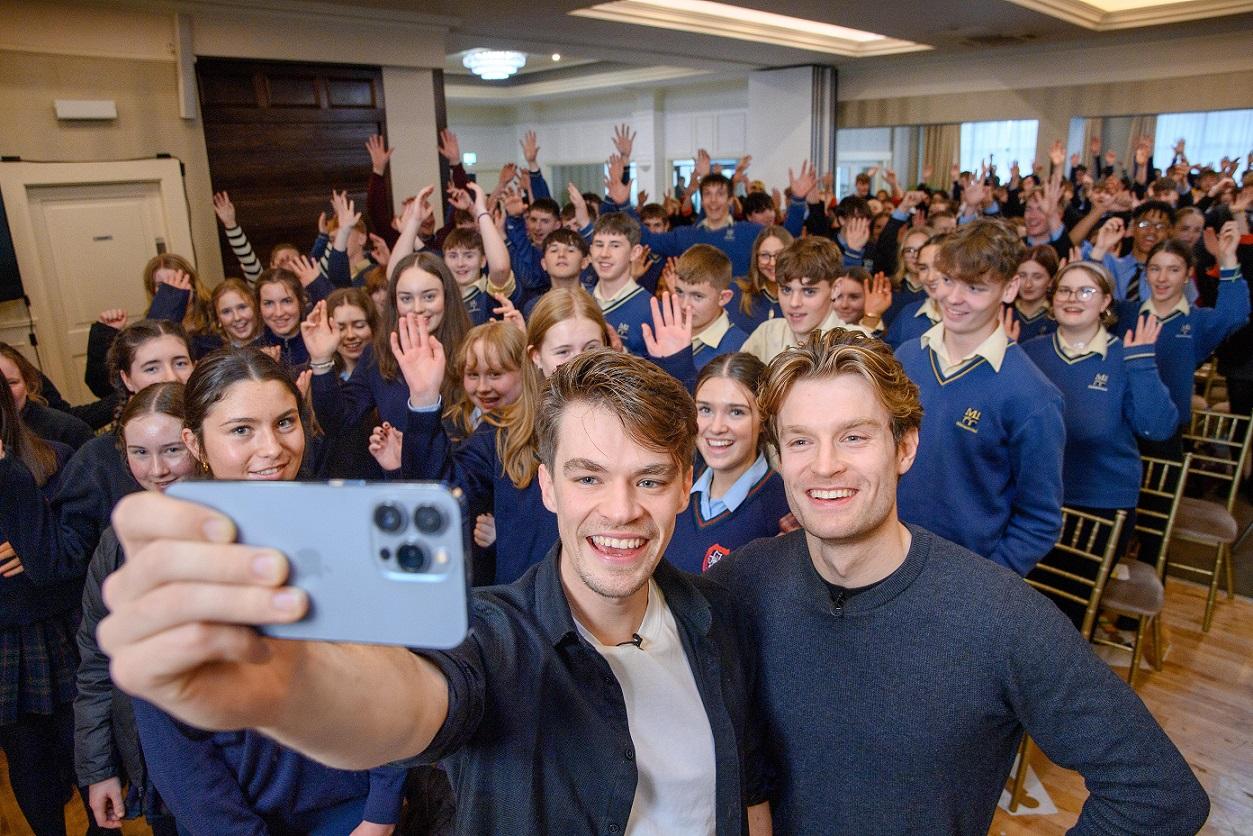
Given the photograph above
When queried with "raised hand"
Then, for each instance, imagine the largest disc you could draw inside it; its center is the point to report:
(530, 150)
(484, 530)
(624, 140)
(954, 172)
(1228, 243)
(856, 232)
(1057, 153)
(878, 296)
(224, 209)
(382, 252)
(524, 180)
(1143, 147)
(422, 206)
(1094, 145)
(581, 215)
(420, 358)
(306, 269)
(911, 200)
(320, 334)
(179, 280)
(449, 147)
(641, 198)
(458, 198)
(803, 183)
(1146, 331)
(302, 383)
(927, 170)
(889, 177)
(741, 168)
(508, 313)
(385, 445)
(641, 262)
(872, 171)
(379, 153)
(671, 330)
(669, 275)
(974, 194)
(1108, 237)
(323, 226)
(274, 352)
(1111, 157)
(615, 189)
(113, 317)
(345, 211)
(1180, 144)
(514, 204)
(1053, 198)
(703, 164)
(1010, 323)
(1075, 159)
(508, 172)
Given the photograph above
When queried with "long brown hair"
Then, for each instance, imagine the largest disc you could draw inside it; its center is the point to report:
(24, 445)
(745, 369)
(504, 346)
(452, 327)
(754, 283)
(199, 316)
(30, 375)
(129, 339)
(357, 297)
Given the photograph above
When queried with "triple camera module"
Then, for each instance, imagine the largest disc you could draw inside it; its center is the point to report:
(411, 555)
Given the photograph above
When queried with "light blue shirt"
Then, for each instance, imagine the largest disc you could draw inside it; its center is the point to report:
(735, 496)
(1125, 269)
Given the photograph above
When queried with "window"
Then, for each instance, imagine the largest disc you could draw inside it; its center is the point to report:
(589, 177)
(1210, 136)
(999, 144)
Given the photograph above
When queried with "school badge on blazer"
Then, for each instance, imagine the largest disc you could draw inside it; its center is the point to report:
(712, 555)
(1100, 383)
(970, 421)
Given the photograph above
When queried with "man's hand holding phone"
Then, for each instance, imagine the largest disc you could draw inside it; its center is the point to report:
(178, 606)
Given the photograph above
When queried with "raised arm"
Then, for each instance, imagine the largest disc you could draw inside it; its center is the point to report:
(498, 270)
(417, 211)
(240, 245)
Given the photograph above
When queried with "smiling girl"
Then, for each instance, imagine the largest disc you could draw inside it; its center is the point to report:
(1035, 278)
(756, 296)
(737, 497)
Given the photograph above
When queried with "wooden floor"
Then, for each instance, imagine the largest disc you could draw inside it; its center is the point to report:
(1203, 698)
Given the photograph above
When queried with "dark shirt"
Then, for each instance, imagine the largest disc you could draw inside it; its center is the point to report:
(900, 711)
(536, 739)
(54, 425)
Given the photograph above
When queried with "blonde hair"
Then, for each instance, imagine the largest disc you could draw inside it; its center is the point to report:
(837, 351)
(504, 346)
(199, 317)
(241, 287)
(926, 232)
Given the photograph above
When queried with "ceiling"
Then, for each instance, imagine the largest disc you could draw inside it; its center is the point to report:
(603, 53)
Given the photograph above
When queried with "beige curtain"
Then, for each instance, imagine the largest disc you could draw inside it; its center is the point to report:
(941, 149)
(1145, 126)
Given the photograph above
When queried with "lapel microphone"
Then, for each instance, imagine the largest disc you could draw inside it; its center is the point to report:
(636, 639)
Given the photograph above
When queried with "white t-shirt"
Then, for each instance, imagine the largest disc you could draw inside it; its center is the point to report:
(674, 746)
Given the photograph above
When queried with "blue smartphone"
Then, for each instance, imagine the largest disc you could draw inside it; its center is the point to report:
(382, 562)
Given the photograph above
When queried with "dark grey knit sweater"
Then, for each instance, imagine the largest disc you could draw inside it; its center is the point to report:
(900, 711)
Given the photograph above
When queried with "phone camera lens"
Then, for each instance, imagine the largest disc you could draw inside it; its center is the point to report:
(429, 519)
(389, 518)
(412, 558)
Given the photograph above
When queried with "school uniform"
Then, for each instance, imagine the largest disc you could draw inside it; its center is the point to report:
(480, 298)
(710, 529)
(988, 474)
(721, 337)
(1033, 325)
(95, 415)
(1131, 283)
(1190, 334)
(292, 352)
(914, 320)
(625, 312)
(902, 297)
(775, 335)
(525, 529)
(341, 404)
(54, 425)
(761, 306)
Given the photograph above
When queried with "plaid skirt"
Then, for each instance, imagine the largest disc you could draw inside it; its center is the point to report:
(38, 663)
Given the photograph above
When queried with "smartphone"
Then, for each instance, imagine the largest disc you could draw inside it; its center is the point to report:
(382, 562)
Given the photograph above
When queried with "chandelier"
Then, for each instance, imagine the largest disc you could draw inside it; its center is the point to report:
(494, 64)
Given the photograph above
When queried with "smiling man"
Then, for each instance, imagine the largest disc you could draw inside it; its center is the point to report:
(897, 671)
(603, 692)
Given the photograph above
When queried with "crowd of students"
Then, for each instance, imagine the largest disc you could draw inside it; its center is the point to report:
(1047, 326)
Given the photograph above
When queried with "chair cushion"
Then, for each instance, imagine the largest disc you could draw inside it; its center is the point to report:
(1202, 521)
(1141, 594)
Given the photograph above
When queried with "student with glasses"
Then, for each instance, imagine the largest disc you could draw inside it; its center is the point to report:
(1150, 225)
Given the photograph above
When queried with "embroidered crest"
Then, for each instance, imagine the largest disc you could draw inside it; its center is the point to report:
(1100, 383)
(970, 421)
(1185, 330)
(712, 555)
(623, 329)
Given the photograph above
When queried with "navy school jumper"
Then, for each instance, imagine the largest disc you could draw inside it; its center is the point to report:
(760, 308)
(908, 324)
(988, 474)
(1187, 340)
(699, 543)
(1109, 402)
(1030, 327)
(525, 529)
(342, 404)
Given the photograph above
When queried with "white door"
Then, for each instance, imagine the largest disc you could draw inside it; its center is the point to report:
(83, 233)
(94, 241)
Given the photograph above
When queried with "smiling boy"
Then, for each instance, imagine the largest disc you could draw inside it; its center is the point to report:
(989, 470)
(703, 285)
(615, 244)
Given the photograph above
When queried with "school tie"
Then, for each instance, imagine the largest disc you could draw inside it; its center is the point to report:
(1133, 289)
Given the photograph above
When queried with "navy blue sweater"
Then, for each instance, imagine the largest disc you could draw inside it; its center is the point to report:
(525, 529)
(988, 474)
(908, 324)
(245, 784)
(902, 297)
(625, 315)
(54, 425)
(341, 404)
(760, 308)
(1109, 401)
(899, 709)
(1187, 340)
(730, 343)
(699, 543)
(1034, 326)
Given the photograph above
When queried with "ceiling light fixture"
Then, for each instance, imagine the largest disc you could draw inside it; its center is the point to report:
(556, 56)
(727, 21)
(493, 64)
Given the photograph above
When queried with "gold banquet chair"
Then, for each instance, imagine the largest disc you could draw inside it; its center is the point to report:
(1075, 571)
(1142, 595)
(1219, 443)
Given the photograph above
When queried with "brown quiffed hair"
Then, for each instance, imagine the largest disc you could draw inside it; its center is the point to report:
(985, 250)
(837, 351)
(618, 223)
(460, 238)
(811, 260)
(654, 408)
(703, 264)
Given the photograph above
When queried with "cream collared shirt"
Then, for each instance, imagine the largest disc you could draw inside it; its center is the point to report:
(930, 310)
(1098, 344)
(991, 349)
(713, 334)
(774, 335)
(482, 285)
(623, 292)
(1181, 306)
